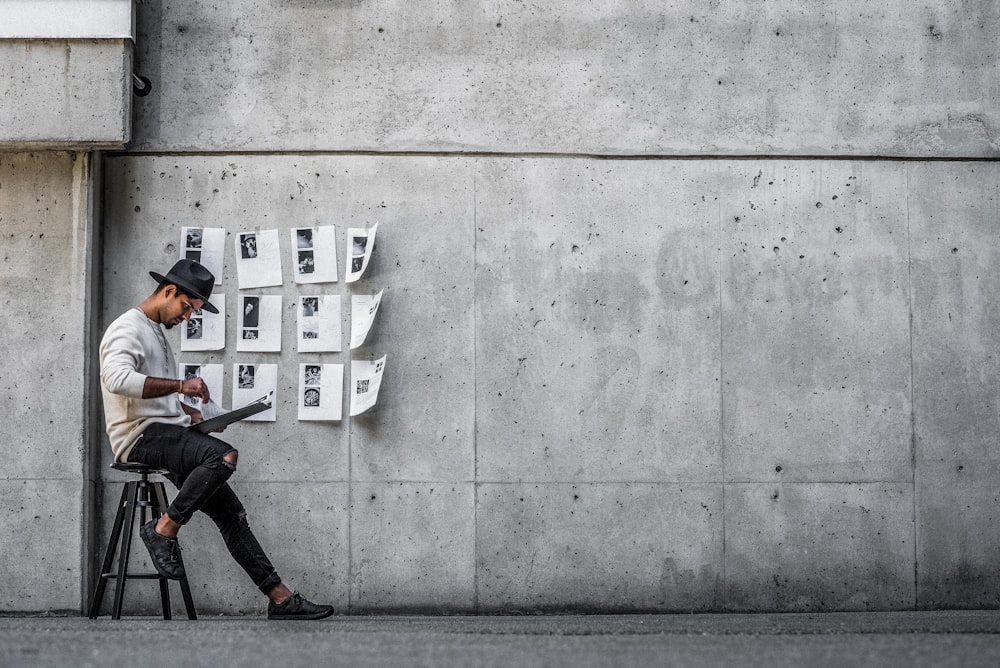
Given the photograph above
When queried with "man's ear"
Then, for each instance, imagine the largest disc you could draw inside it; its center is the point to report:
(170, 291)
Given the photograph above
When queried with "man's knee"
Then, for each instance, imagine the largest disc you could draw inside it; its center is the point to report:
(230, 459)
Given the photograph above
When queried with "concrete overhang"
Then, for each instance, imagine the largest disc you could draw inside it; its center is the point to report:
(66, 74)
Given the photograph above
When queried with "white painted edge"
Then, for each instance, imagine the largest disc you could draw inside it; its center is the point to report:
(67, 19)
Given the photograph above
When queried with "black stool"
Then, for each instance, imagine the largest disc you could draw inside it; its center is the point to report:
(141, 494)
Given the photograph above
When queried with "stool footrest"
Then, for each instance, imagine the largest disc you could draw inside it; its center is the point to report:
(134, 576)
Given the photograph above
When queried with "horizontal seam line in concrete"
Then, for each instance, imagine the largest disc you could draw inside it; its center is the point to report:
(45, 479)
(819, 482)
(555, 155)
(508, 483)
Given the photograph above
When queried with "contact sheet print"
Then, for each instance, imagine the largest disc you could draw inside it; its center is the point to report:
(314, 254)
(366, 380)
(206, 246)
(321, 391)
(360, 244)
(319, 324)
(363, 310)
(210, 373)
(257, 325)
(204, 330)
(258, 259)
(251, 382)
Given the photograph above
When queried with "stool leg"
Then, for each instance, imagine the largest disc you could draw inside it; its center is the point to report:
(157, 504)
(131, 503)
(152, 501)
(188, 601)
(160, 495)
(165, 597)
(109, 557)
(143, 499)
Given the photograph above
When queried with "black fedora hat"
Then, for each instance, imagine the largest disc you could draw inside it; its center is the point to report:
(193, 280)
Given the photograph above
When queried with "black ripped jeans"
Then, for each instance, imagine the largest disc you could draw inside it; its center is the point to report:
(197, 468)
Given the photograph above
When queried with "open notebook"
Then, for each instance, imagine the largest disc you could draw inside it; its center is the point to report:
(217, 419)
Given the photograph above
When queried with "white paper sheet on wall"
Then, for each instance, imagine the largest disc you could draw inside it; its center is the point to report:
(204, 330)
(206, 246)
(319, 324)
(363, 310)
(321, 391)
(360, 243)
(258, 259)
(212, 374)
(258, 323)
(366, 378)
(251, 382)
(314, 254)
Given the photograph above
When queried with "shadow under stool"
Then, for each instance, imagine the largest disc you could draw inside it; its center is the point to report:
(141, 495)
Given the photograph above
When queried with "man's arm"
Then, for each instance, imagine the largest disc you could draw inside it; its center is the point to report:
(161, 387)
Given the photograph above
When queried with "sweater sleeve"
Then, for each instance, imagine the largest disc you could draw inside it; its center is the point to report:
(121, 356)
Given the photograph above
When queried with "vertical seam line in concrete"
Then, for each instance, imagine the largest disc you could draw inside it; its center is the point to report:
(83, 179)
(722, 404)
(913, 411)
(475, 389)
(345, 334)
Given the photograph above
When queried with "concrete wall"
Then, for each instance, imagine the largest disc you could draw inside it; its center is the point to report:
(46, 293)
(617, 385)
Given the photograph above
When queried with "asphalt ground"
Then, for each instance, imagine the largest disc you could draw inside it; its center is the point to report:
(938, 638)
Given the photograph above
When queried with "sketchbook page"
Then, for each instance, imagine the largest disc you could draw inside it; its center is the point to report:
(204, 330)
(314, 254)
(258, 323)
(360, 242)
(363, 310)
(366, 378)
(258, 259)
(211, 410)
(206, 246)
(321, 391)
(250, 383)
(319, 324)
(212, 374)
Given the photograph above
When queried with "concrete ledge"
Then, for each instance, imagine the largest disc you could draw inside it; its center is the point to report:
(645, 77)
(70, 19)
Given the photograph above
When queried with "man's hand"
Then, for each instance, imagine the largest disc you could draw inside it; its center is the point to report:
(195, 387)
(193, 412)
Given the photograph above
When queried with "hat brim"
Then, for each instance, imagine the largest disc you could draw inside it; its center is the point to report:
(188, 290)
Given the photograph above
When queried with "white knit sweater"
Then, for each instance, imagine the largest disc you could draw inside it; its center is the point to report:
(134, 348)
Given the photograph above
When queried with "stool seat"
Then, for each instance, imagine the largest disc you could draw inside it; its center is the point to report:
(136, 467)
(141, 495)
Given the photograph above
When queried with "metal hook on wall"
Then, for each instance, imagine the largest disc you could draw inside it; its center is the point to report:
(141, 86)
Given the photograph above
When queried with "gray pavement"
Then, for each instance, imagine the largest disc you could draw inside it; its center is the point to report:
(945, 638)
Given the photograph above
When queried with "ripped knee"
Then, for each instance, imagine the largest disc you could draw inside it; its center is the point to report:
(230, 459)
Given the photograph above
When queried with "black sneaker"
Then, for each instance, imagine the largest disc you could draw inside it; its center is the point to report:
(165, 552)
(297, 607)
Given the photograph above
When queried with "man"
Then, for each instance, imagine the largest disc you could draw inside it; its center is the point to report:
(147, 423)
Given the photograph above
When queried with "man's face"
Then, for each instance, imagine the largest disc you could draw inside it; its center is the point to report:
(179, 307)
